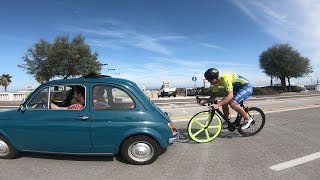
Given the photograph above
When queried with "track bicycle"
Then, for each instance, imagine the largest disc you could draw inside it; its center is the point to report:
(205, 126)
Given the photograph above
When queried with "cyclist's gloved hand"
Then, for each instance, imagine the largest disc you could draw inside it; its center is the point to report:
(215, 106)
(203, 102)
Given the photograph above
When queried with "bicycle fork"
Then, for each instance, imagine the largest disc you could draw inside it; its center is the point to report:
(211, 112)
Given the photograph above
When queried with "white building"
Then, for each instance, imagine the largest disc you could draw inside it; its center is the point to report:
(20, 95)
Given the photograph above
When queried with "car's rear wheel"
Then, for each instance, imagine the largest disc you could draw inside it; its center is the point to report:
(140, 150)
(7, 151)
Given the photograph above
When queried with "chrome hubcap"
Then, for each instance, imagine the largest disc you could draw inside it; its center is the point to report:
(141, 151)
(4, 148)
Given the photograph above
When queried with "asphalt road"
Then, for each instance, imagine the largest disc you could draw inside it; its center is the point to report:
(287, 148)
(185, 108)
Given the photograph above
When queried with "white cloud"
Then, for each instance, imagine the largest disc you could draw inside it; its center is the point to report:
(290, 21)
(15, 38)
(151, 44)
(213, 46)
(105, 44)
(179, 71)
(102, 32)
(122, 36)
(153, 70)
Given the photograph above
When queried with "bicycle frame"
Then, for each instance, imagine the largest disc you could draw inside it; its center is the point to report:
(231, 125)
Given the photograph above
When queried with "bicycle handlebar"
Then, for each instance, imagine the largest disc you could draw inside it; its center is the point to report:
(203, 100)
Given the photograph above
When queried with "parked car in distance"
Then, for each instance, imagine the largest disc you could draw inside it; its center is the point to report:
(193, 91)
(167, 90)
(116, 118)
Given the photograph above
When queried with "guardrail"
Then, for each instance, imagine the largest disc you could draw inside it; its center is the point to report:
(4, 96)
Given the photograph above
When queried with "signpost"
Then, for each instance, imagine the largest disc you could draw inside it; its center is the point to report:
(194, 79)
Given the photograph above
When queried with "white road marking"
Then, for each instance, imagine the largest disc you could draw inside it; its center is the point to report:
(295, 162)
(187, 118)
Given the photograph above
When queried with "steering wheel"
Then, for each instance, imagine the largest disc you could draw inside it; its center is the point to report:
(41, 105)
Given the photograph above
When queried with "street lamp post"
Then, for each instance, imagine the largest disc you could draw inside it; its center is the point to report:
(112, 69)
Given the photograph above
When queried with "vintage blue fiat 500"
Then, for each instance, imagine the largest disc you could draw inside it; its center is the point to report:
(113, 117)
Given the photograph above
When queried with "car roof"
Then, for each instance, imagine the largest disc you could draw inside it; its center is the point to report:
(99, 79)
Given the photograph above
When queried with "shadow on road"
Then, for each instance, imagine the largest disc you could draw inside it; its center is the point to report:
(69, 157)
(184, 137)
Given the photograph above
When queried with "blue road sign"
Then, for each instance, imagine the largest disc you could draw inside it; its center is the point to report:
(194, 79)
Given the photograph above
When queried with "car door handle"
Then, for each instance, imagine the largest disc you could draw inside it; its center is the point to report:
(83, 118)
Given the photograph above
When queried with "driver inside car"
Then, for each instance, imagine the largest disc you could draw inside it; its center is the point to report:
(79, 97)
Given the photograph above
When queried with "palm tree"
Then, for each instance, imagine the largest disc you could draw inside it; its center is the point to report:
(5, 80)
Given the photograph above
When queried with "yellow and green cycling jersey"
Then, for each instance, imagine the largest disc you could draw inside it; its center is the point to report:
(230, 81)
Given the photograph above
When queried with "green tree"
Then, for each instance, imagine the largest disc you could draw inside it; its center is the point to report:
(282, 61)
(63, 58)
(5, 80)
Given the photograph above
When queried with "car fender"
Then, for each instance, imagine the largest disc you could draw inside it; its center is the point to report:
(2, 133)
(148, 132)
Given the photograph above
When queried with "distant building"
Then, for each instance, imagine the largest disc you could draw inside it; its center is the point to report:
(313, 87)
(20, 95)
(287, 84)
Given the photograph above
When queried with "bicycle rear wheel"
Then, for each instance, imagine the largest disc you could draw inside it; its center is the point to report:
(258, 122)
(199, 129)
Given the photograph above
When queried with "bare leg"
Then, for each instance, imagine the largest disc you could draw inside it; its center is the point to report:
(225, 109)
(236, 106)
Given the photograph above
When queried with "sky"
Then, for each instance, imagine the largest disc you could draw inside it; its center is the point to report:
(149, 41)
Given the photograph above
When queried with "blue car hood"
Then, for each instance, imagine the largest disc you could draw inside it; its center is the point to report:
(8, 114)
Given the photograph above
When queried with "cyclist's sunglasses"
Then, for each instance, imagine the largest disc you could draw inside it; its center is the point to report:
(210, 79)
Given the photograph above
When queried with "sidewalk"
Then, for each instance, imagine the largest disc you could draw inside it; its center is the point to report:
(9, 104)
(14, 104)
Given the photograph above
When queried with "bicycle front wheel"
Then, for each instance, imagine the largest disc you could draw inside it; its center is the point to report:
(258, 122)
(199, 129)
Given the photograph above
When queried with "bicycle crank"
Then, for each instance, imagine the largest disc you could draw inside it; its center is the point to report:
(231, 128)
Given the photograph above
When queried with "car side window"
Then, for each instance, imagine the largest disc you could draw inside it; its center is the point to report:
(59, 95)
(109, 97)
(40, 100)
(67, 97)
(100, 97)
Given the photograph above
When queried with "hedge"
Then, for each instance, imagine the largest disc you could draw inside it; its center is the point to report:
(256, 90)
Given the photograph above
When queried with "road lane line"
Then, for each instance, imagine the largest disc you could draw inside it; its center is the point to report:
(292, 108)
(295, 162)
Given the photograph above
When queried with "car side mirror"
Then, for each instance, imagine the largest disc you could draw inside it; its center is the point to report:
(22, 108)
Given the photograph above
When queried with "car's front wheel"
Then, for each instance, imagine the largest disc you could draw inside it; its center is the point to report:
(140, 150)
(7, 151)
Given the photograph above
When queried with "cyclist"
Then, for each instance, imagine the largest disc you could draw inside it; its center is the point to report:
(238, 89)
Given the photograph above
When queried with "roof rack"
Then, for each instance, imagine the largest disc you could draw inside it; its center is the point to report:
(94, 75)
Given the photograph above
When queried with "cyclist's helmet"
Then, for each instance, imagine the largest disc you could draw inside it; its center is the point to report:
(211, 73)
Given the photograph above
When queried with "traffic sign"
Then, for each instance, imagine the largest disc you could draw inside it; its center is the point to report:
(194, 79)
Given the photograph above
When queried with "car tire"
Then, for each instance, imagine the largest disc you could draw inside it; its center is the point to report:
(140, 150)
(7, 151)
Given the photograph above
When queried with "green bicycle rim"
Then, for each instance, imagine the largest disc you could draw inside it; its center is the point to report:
(195, 121)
